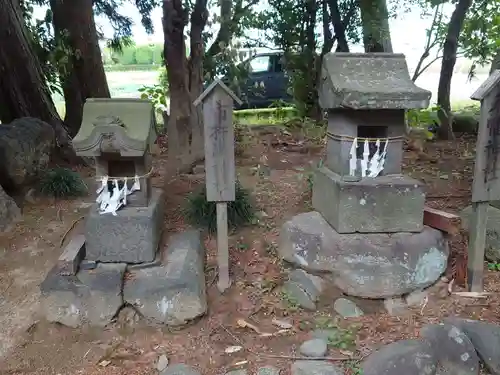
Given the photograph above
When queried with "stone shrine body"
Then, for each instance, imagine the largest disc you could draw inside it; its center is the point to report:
(119, 134)
(360, 188)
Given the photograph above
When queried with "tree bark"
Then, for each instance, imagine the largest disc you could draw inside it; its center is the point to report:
(450, 48)
(23, 91)
(185, 126)
(339, 25)
(375, 20)
(83, 76)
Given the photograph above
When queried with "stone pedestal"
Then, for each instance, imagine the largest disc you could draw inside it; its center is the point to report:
(386, 204)
(132, 236)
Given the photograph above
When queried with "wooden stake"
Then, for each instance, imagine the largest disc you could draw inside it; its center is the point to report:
(222, 247)
(477, 243)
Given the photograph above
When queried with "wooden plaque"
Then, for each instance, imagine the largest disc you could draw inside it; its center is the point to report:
(219, 146)
(486, 185)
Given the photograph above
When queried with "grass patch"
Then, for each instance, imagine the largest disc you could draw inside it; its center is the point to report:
(62, 183)
(130, 68)
(203, 214)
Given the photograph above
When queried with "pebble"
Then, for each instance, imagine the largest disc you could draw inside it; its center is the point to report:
(314, 348)
(162, 363)
(347, 309)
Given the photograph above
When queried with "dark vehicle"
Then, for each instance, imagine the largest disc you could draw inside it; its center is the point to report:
(266, 82)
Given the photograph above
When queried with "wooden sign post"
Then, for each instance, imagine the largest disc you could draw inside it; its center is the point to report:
(486, 185)
(220, 169)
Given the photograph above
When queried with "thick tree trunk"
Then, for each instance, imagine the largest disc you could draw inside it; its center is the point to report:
(23, 91)
(375, 20)
(83, 76)
(185, 126)
(448, 64)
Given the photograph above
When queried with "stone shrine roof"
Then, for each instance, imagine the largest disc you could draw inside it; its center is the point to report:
(127, 124)
(369, 81)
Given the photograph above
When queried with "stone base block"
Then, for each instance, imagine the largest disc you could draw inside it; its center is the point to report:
(174, 292)
(90, 297)
(367, 265)
(132, 236)
(385, 204)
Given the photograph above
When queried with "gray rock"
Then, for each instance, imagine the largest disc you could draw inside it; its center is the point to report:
(486, 340)
(453, 349)
(408, 357)
(162, 363)
(25, 148)
(346, 308)
(173, 293)
(314, 348)
(9, 212)
(312, 284)
(416, 298)
(132, 236)
(180, 369)
(375, 265)
(314, 368)
(91, 297)
(395, 306)
(88, 265)
(268, 370)
(297, 295)
(492, 250)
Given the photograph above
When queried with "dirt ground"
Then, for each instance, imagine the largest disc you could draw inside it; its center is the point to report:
(29, 345)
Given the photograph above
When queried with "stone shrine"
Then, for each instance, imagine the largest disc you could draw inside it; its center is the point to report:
(122, 233)
(119, 134)
(361, 188)
(367, 232)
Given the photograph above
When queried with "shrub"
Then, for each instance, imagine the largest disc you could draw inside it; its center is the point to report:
(201, 213)
(62, 182)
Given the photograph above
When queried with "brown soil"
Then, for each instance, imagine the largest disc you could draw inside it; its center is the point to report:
(29, 345)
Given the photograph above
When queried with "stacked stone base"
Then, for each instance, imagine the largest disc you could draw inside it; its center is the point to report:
(169, 290)
(368, 265)
(132, 236)
(386, 204)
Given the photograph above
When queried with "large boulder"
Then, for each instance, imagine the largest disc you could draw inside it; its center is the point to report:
(9, 212)
(25, 148)
(374, 265)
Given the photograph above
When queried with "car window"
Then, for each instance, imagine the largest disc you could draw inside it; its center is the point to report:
(260, 64)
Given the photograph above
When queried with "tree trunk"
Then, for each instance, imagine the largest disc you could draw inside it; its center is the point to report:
(495, 64)
(375, 20)
(339, 25)
(450, 47)
(83, 76)
(185, 126)
(23, 91)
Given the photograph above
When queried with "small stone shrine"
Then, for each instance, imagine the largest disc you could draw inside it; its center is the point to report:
(123, 231)
(361, 188)
(368, 226)
(119, 134)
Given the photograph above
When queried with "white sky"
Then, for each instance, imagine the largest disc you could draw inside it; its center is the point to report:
(407, 32)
